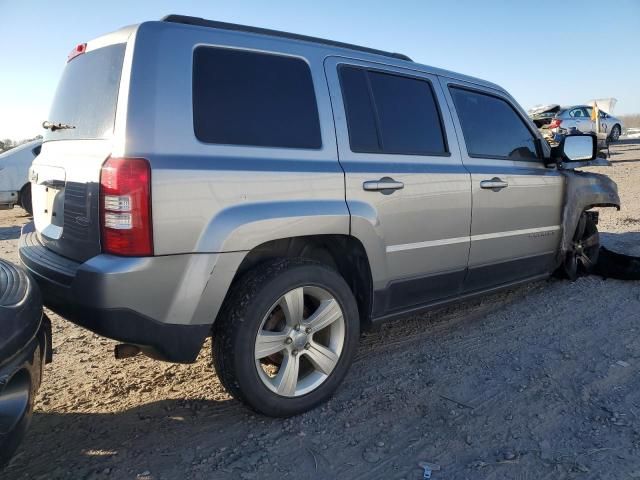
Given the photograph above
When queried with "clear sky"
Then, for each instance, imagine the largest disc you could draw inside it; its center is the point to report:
(541, 51)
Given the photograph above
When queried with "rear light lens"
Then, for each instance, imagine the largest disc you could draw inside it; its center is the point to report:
(78, 50)
(555, 123)
(125, 207)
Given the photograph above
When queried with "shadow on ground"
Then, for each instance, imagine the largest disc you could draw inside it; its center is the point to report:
(112, 441)
(9, 233)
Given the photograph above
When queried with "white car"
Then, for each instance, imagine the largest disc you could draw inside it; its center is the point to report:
(14, 172)
(579, 117)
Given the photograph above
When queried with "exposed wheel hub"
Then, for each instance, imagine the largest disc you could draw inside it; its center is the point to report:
(299, 338)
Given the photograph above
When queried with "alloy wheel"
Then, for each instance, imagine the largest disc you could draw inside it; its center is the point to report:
(583, 252)
(299, 341)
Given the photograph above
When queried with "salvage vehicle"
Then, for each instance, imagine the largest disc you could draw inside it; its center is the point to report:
(543, 114)
(579, 117)
(15, 188)
(25, 346)
(281, 193)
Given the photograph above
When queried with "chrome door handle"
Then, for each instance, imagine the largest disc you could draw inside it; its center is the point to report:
(385, 185)
(494, 184)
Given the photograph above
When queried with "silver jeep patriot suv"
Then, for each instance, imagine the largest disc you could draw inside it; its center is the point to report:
(280, 193)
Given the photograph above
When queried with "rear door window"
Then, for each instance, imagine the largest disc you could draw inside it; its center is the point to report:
(254, 99)
(389, 113)
(491, 127)
(578, 113)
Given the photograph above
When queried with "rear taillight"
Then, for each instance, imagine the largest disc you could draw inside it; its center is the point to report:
(555, 123)
(125, 207)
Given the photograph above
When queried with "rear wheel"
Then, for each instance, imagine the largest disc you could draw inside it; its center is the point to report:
(286, 337)
(582, 256)
(25, 198)
(615, 133)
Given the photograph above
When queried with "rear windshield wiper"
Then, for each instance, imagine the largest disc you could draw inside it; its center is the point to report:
(56, 126)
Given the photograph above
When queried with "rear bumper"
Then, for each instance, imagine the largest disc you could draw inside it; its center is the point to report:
(154, 302)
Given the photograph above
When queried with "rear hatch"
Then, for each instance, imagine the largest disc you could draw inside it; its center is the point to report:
(66, 176)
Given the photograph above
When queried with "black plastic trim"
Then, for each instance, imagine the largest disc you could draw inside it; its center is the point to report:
(417, 294)
(201, 22)
(504, 272)
(35, 256)
(452, 300)
(163, 341)
(401, 294)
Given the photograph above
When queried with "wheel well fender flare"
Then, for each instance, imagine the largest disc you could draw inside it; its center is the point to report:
(244, 227)
(583, 191)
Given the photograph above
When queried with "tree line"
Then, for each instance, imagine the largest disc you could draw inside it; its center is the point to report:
(630, 121)
(7, 144)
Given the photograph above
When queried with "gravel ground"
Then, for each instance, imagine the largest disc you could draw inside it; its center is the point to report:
(539, 382)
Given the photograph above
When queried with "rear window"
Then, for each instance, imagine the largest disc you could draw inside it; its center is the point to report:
(388, 113)
(87, 95)
(254, 99)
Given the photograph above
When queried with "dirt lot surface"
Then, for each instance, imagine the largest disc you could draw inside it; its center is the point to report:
(541, 382)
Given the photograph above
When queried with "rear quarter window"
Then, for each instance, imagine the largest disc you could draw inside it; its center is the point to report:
(254, 99)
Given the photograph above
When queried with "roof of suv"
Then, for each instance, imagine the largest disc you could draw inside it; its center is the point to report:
(399, 58)
(201, 22)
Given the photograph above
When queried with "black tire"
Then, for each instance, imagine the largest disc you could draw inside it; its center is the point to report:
(615, 133)
(237, 327)
(582, 256)
(25, 199)
(11, 439)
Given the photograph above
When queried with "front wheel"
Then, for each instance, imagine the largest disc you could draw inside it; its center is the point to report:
(582, 256)
(286, 336)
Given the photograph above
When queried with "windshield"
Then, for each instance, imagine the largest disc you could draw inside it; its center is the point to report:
(87, 95)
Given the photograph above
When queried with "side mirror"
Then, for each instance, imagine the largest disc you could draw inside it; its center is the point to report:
(576, 148)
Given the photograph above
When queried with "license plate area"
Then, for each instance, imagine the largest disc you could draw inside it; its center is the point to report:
(48, 187)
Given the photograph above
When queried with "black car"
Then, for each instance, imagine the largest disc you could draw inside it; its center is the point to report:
(25, 346)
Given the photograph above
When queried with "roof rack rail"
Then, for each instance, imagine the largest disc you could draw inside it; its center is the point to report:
(201, 22)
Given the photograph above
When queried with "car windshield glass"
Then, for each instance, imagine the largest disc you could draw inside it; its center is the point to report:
(87, 95)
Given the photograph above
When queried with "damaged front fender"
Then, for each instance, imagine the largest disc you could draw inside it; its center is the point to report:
(584, 190)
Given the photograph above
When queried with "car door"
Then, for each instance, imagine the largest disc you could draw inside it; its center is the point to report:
(605, 122)
(517, 201)
(581, 118)
(408, 193)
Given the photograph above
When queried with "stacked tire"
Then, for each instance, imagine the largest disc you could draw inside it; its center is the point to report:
(25, 346)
